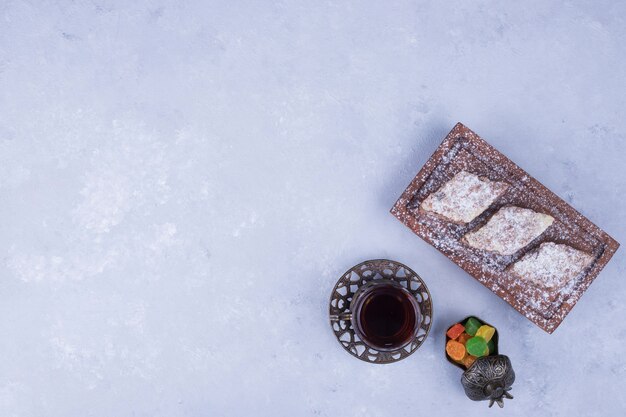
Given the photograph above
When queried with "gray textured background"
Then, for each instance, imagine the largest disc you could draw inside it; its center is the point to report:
(181, 183)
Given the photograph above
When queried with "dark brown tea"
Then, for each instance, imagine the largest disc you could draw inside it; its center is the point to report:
(387, 317)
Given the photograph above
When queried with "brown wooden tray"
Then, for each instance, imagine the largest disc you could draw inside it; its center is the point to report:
(463, 149)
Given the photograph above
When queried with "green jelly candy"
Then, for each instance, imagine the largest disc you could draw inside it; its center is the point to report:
(472, 325)
(491, 346)
(476, 346)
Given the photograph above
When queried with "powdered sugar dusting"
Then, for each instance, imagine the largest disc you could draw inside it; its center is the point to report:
(464, 197)
(509, 230)
(552, 265)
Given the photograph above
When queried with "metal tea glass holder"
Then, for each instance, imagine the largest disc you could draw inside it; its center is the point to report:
(361, 274)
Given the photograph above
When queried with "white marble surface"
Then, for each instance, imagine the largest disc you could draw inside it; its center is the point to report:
(182, 184)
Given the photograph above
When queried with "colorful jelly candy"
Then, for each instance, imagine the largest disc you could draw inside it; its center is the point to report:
(455, 331)
(476, 346)
(486, 332)
(470, 340)
(455, 350)
(463, 338)
(472, 325)
(468, 360)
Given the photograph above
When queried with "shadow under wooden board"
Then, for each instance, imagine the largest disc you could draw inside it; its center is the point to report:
(464, 150)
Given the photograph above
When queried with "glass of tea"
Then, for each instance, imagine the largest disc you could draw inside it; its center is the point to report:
(384, 314)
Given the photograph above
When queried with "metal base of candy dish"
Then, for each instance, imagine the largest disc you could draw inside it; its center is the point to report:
(361, 274)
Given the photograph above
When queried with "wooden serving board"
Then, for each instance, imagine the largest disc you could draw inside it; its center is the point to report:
(463, 149)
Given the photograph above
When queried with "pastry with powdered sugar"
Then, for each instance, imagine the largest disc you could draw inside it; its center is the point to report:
(464, 197)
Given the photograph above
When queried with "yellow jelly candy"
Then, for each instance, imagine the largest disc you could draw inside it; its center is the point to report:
(486, 332)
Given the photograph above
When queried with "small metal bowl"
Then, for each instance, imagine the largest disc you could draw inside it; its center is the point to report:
(489, 377)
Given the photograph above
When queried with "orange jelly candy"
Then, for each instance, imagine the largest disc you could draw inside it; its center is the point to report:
(468, 360)
(463, 338)
(455, 350)
(455, 331)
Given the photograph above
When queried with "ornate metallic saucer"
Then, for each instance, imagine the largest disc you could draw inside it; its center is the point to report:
(361, 274)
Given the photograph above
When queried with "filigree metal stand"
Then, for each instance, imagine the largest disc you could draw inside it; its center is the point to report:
(361, 274)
